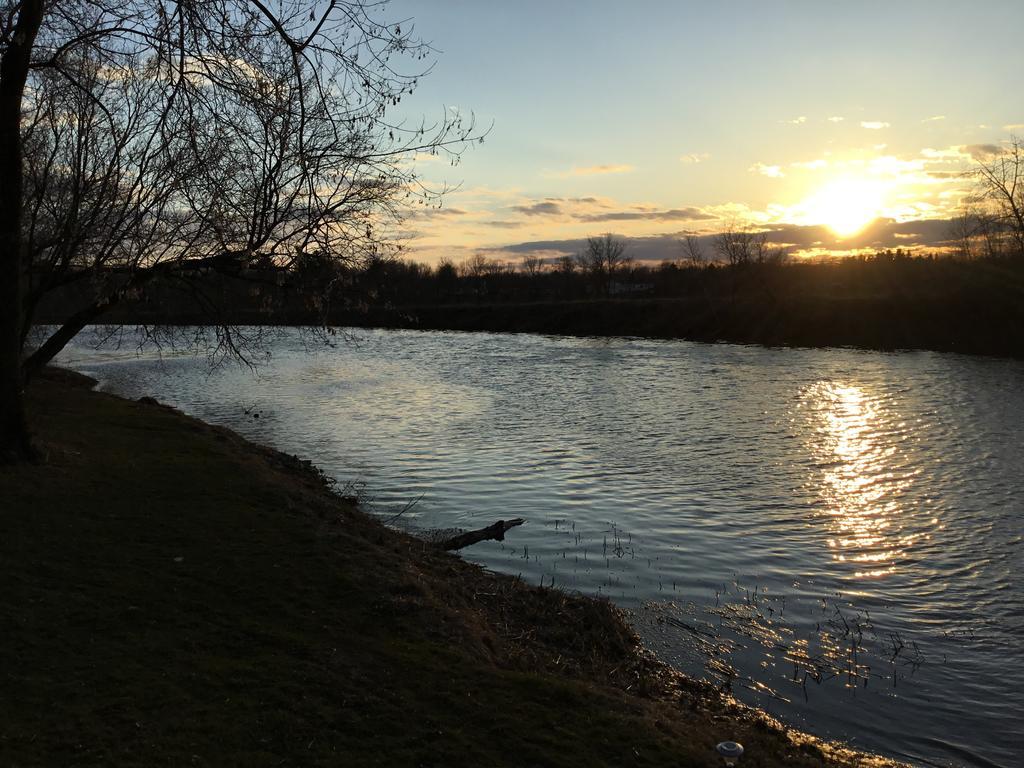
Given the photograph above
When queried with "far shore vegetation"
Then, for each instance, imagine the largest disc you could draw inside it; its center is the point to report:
(892, 299)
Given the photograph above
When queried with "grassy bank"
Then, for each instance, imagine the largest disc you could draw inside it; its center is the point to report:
(174, 595)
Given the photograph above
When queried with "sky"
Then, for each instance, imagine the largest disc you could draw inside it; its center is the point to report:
(838, 127)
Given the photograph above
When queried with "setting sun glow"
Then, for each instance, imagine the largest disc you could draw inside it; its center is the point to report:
(846, 205)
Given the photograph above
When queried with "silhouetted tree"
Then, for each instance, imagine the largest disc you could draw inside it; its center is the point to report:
(475, 269)
(446, 277)
(565, 265)
(532, 265)
(692, 250)
(143, 142)
(740, 245)
(603, 258)
(476, 266)
(1001, 180)
(963, 231)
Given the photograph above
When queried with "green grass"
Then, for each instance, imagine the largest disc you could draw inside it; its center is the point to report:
(173, 595)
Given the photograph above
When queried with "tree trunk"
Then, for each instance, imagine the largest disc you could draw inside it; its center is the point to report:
(14, 67)
(14, 438)
(71, 327)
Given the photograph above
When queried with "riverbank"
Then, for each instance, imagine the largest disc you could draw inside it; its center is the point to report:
(178, 595)
(888, 302)
(965, 326)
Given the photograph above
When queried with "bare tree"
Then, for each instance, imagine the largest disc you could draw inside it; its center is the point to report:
(692, 250)
(981, 232)
(446, 278)
(961, 232)
(446, 271)
(741, 245)
(565, 265)
(603, 259)
(496, 268)
(476, 266)
(18, 30)
(1000, 178)
(476, 269)
(532, 265)
(144, 142)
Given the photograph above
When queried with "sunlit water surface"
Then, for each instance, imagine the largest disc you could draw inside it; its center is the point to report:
(836, 535)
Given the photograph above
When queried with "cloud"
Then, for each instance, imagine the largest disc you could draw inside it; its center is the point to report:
(895, 167)
(1014, 127)
(438, 213)
(674, 214)
(596, 170)
(963, 152)
(593, 209)
(798, 240)
(771, 171)
(882, 234)
(650, 249)
(873, 125)
(424, 158)
(796, 120)
(983, 151)
(811, 165)
(934, 119)
(504, 224)
(836, 119)
(546, 208)
(949, 153)
(694, 157)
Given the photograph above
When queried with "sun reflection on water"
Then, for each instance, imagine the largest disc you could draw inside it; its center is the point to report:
(862, 482)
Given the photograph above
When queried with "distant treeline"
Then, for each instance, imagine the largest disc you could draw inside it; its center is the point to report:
(889, 300)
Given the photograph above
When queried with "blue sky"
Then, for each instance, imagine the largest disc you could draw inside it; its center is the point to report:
(721, 109)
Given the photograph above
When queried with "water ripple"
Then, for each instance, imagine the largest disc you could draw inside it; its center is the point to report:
(848, 524)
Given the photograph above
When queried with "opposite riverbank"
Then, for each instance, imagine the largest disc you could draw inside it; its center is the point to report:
(176, 595)
(889, 302)
(884, 325)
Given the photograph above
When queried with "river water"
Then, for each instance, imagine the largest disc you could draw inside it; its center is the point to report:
(835, 535)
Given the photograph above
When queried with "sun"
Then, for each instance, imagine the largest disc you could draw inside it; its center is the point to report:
(846, 206)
